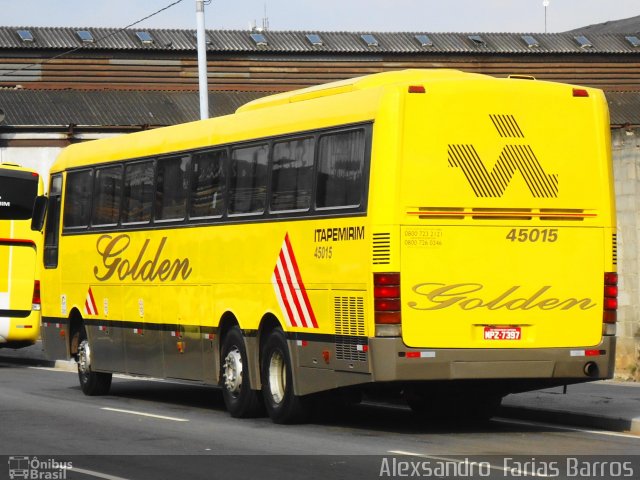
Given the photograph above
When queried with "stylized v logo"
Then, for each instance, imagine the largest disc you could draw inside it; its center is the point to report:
(513, 158)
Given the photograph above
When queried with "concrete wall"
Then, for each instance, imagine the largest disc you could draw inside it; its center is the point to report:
(626, 161)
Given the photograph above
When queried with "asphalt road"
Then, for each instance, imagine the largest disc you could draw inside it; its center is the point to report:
(151, 429)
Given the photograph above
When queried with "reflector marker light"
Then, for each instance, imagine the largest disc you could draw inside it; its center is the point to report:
(580, 92)
(421, 354)
(417, 89)
(587, 353)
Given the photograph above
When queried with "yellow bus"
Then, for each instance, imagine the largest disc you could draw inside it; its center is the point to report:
(21, 214)
(446, 234)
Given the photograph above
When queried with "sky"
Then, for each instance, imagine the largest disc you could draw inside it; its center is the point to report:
(324, 15)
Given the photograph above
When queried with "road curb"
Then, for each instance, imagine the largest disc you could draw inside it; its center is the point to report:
(66, 365)
(582, 420)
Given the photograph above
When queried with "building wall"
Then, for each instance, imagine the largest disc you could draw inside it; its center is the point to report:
(37, 158)
(626, 158)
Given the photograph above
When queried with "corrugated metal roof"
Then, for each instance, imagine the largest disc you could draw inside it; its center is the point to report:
(59, 38)
(50, 108)
(626, 25)
(624, 107)
(112, 108)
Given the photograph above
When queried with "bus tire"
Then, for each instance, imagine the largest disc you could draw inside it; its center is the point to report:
(282, 405)
(240, 400)
(92, 383)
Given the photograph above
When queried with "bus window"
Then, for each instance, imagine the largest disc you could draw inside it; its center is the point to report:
(340, 170)
(248, 187)
(208, 182)
(77, 203)
(171, 188)
(138, 192)
(292, 175)
(107, 193)
(18, 191)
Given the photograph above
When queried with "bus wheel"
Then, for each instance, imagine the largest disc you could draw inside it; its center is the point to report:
(92, 383)
(240, 400)
(283, 406)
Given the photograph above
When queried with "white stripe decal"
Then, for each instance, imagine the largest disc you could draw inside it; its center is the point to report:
(90, 304)
(290, 291)
(295, 287)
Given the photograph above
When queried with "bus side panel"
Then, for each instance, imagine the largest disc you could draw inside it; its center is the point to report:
(142, 333)
(182, 338)
(107, 335)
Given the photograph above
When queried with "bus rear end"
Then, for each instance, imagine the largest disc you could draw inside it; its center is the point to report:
(19, 265)
(506, 239)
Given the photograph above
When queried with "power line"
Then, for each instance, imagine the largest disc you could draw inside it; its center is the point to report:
(100, 39)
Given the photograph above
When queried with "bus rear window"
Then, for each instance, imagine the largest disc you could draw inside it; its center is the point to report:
(18, 191)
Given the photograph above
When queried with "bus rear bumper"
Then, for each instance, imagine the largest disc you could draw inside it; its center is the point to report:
(393, 361)
(20, 331)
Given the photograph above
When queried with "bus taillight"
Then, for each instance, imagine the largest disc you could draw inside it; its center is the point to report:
(35, 302)
(609, 315)
(386, 299)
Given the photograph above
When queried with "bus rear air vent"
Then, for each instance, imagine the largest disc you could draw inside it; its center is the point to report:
(381, 248)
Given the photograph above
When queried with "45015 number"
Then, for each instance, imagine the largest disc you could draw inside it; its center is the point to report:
(522, 235)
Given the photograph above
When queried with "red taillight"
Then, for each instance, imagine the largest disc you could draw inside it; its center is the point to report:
(386, 292)
(417, 89)
(580, 92)
(610, 297)
(386, 298)
(611, 278)
(36, 293)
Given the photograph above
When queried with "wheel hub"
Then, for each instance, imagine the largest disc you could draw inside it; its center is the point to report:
(277, 377)
(232, 371)
(84, 356)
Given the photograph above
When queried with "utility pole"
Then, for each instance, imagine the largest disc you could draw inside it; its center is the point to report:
(545, 4)
(202, 62)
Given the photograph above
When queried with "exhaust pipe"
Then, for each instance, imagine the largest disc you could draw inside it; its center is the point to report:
(591, 369)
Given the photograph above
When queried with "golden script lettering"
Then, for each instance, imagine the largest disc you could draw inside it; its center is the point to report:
(466, 296)
(112, 249)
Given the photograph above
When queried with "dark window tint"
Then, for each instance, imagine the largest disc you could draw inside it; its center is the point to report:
(208, 181)
(18, 191)
(340, 178)
(52, 227)
(171, 188)
(138, 192)
(77, 202)
(247, 189)
(292, 175)
(106, 199)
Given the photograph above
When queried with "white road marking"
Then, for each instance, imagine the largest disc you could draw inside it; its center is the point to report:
(92, 473)
(565, 428)
(511, 471)
(143, 414)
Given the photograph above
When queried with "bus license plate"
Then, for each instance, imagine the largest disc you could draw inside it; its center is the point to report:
(502, 333)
